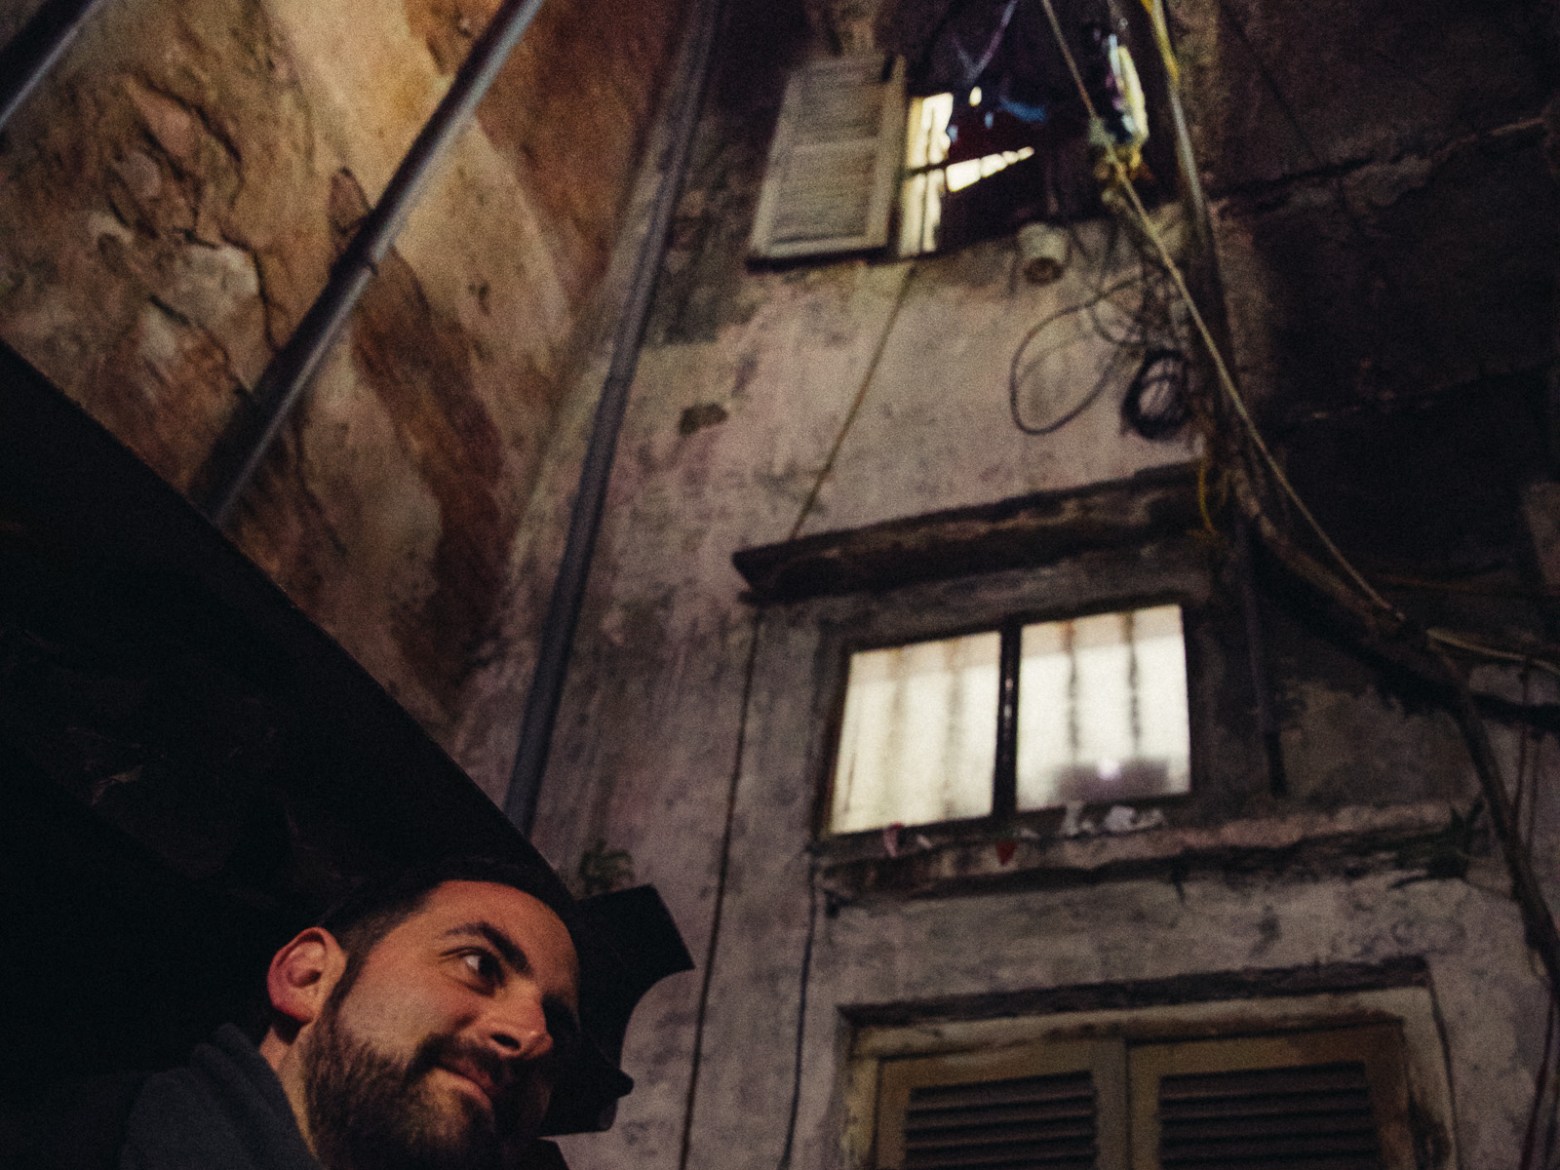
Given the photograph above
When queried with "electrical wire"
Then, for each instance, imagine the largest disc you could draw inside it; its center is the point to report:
(1226, 381)
(1147, 328)
(722, 877)
(805, 980)
(1221, 369)
(728, 831)
(1427, 656)
(855, 406)
(1017, 368)
(1529, 1159)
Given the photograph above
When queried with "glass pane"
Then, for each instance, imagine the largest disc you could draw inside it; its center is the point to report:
(918, 741)
(1102, 709)
(920, 195)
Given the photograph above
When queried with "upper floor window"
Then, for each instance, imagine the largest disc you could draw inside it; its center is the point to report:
(973, 129)
(1029, 716)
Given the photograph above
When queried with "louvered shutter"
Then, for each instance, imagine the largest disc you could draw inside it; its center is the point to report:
(834, 165)
(1049, 1107)
(1332, 1100)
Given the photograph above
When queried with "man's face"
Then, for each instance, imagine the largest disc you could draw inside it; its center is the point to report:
(444, 1048)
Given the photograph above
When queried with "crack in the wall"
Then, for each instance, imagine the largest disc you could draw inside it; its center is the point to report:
(206, 334)
(270, 308)
(1270, 193)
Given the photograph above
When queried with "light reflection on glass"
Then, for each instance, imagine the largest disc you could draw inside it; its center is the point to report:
(918, 736)
(1102, 712)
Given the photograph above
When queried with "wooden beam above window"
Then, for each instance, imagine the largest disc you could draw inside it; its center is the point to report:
(1015, 533)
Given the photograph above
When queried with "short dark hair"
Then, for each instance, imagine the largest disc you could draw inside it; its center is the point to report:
(379, 904)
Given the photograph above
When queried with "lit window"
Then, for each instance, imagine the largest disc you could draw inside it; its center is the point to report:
(929, 177)
(1096, 712)
(1102, 709)
(980, 133)
(917, 741)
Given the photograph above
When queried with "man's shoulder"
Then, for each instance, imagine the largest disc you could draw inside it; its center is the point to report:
(78, 1125)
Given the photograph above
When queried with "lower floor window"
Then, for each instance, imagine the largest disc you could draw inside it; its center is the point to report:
(1333, 1098)
(1028, 716)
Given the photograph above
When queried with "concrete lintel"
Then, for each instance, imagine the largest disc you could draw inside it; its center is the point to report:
(1009, 534)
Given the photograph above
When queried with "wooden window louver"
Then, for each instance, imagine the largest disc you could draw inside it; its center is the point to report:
(834, 164)
(1270, 1119)
(1321, 1100)
(1002, 1124)
(1056, 1107)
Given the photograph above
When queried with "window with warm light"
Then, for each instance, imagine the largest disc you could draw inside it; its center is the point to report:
(1024, 717)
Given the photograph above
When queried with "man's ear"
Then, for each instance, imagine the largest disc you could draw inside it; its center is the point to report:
(303, 974)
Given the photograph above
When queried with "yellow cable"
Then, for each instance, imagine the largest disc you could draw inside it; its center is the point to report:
(1225, 378)
(855, 406)
(1156, 16)
(1209, 527)
(1226, 381)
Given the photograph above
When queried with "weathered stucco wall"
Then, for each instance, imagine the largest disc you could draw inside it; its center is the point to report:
(173, 198)
(692, 733)
(1385, 227)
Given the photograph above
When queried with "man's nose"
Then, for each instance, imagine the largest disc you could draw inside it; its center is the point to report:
(516, 1026)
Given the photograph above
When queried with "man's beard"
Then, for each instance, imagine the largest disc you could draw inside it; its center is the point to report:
(370, 1111)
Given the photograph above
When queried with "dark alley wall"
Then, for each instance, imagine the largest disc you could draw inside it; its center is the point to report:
(1382, 213)
(172, 201)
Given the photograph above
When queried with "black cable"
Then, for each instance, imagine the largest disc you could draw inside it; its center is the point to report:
(1527, 786)
(801, 1016)
(1017, 369)
(1540, 1092)
(1149, 329)
(1156, 405)
(722, 875)
(1083, 404)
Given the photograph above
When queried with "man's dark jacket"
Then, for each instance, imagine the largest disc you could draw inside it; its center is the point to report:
(224, 1109)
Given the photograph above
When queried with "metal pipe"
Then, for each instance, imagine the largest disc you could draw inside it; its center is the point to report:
(237, 455)
(1257, 661)
(1004, 799)
(568, 592)
(29, 56)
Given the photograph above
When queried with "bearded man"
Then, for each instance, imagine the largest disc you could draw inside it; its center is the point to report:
(424, 1024)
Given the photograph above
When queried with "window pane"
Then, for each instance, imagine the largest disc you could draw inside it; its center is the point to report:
(918, 740)
(1102, 709)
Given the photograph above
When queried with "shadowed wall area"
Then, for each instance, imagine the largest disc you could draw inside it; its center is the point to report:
(172, 200)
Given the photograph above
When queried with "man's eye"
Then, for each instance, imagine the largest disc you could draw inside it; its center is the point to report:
(483, 965)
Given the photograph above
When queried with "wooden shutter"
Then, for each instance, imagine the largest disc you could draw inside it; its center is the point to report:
(1055, 1106)
(1326, 1100)
(834, 165)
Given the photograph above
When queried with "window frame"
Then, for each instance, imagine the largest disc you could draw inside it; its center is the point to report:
(1300, 1008)
(1126, 1071)
(1103, 1059)
(1143, 36)
(1010, 625)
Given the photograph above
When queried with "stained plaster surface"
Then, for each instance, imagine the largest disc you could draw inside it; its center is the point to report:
(173, 198)
(1381, 203)
(1345, 244)
(646, 741)
(1484, 983)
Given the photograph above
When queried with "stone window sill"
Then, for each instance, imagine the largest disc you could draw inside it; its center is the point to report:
(1425, 839)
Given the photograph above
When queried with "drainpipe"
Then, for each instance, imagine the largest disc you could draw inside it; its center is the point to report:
(563, 608)
(1209, 289)
(238, 453)
(29, 56)
(1257, 661)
